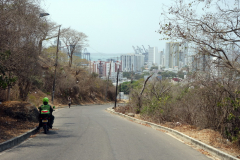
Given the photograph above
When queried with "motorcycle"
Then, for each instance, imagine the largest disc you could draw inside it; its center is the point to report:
(45, 120)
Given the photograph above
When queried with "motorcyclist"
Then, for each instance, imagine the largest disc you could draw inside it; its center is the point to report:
(47, 109)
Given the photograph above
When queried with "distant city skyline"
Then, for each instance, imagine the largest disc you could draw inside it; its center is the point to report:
(111, 26)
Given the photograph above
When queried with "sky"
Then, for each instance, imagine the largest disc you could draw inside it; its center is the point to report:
(112, 26)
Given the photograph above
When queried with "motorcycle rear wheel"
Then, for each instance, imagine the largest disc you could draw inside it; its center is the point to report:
(45, 129)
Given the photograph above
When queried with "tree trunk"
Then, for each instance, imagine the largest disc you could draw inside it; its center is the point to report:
(140, 95)
(70, 61)
(24, 89)
(40, 47)
(8, 93)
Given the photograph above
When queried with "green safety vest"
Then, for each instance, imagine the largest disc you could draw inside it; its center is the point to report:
(45, 109)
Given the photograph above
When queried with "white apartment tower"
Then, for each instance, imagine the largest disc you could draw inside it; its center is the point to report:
(153, 56)
(162, 59)
(176, 55)
(132, 62)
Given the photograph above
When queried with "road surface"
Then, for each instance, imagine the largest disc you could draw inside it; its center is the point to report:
(91, 133)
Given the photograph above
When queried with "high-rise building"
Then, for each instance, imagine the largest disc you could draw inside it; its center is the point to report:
(183, 54)
(102, 68)
(132, 62)
(200, 62)
(172, 54)
(153, 56)
(176, 55)
(162, 59)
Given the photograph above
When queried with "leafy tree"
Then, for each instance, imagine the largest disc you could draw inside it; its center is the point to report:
(167, 74)
(50, 53)
(126, 86)
(77, 61)
(135, 76)
(138, 76)
(153, 67)
(180, 74)
(127, 74)
(94, 75)
(79, 64)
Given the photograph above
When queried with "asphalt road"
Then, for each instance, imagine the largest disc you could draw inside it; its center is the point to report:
(91, 133)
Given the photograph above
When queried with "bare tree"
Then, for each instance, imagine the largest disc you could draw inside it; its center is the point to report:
(73, 39)
(47, 30)
(139, 96)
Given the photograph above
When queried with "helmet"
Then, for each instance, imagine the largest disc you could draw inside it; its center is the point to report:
(45, 99)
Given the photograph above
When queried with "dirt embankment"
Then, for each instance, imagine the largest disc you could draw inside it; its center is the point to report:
(16, 119)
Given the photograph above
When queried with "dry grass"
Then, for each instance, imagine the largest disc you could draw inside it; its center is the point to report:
(208, 136)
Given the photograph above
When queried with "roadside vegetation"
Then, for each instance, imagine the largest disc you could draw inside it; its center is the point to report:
(127, 86)
(27, 66)
(134, 76)
(169, 74)
(210, 97)
(198, 104)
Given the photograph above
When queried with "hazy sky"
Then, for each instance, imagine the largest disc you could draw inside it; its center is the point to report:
(112, 26)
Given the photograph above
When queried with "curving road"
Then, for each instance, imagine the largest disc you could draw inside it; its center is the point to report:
(91, 133)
